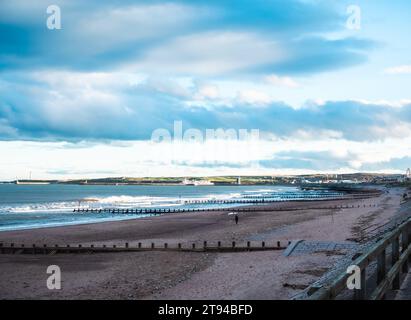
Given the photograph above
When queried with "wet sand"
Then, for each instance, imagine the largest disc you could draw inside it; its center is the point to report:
(191, 275)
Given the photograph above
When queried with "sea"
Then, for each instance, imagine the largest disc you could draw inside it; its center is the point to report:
(36, 206)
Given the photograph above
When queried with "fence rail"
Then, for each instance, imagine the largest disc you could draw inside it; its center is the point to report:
(392, 250)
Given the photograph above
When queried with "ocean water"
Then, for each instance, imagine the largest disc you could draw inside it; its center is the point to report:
(34, 206)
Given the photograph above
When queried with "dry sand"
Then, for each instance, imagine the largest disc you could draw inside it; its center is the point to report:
(178, 275)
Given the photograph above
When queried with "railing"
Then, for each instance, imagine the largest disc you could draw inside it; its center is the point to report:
(393, 249)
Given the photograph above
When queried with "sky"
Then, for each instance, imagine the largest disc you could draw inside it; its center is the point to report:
(193, 88)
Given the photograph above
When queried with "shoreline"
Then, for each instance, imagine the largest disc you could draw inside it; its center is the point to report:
(257, 206)
(189, 275)
(283, 206)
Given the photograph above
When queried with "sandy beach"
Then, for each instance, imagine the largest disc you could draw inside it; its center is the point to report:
(193, 275)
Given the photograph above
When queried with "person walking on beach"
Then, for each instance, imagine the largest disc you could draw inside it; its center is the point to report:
(236, 219)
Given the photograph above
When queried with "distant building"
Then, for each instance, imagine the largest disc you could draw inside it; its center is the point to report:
(189, 182)
(239, 180)
(408, 174)
(390, 179)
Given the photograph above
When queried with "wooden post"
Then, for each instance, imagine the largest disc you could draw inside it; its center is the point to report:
(395, 256)
(408, 230)
(194, 245)
(139, 245)
(278, 244)
(248, 244)
(179, 246)
(205, 245)
(263, 244)
(219, 244)
(127, 245)
(114, 246)
(233, 244)
(152, 245)
(404, 245)
(165, 245)
(34, 248)
(381, 270)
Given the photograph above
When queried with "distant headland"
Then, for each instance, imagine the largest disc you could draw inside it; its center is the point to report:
(350, 178)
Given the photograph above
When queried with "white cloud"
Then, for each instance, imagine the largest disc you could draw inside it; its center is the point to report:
(145, 158)
(85, 80)
(404, 69)
(317, 134)
(388, 103)
(168, 86)
(281, 81)
(207, 91)
(254, 97)
(77, 96)
(400, 129)
(110, 27)
(210, 53)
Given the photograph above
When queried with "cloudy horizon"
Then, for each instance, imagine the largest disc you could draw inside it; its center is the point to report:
(85, 100)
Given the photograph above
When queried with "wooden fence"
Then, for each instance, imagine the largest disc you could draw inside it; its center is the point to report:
(390, 254)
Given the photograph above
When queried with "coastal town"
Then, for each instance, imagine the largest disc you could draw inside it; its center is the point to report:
(351, 178)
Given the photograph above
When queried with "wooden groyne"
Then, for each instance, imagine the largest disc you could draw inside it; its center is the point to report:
(140, 247)
(236, 209)
(261, 199)
(295, 195)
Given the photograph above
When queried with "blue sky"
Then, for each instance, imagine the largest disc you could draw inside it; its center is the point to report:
(84, 101)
